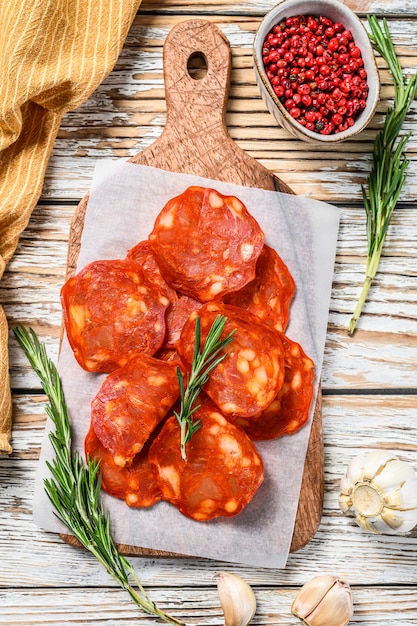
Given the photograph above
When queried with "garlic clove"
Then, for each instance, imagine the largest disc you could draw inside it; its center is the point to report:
(324, 601)
(236, 598)
(381, 491)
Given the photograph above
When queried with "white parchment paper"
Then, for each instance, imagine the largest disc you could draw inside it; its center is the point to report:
(125, 198)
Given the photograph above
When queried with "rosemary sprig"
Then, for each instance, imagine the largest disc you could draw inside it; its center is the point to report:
(74, 489)
(204, 361)
(389, 167)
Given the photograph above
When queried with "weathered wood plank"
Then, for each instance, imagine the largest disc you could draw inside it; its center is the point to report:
(198, 607)
(387, 8)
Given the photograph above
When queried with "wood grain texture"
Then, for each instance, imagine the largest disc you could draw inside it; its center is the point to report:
(195, 141)
(43, 580)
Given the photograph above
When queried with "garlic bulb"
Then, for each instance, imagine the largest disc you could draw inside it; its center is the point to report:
(236, 598)
(324, 601)
(381, 491)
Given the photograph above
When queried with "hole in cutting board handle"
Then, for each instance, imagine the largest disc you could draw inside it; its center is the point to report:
(197, 65)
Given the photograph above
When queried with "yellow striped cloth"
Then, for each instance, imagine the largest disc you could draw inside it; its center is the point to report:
(53, 54)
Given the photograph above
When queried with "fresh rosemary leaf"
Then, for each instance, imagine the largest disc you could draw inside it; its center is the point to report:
(389, 162)
(74, 487)
(204, 361)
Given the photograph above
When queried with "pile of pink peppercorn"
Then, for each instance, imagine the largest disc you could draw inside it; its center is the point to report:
(316, 70)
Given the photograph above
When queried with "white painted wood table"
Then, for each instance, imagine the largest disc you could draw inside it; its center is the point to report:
(369, 380)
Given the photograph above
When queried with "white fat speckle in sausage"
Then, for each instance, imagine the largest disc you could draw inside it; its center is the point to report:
(231, 506)
(77, 314)
(163, 300)
(296, 380)
(120, 461)
(246, 251)
(167, 219)
(248, 354)
(261, 375)
(215, 200)
(230, 448)
(170, 476)
(242, 365)
(229, 407)
(255, 387)
(131, 499)
(216, 288)
(212, 307)
(218, 417)
(157, 380)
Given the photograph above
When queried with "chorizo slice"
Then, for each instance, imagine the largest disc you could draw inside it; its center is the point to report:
(177, 314)
(136, 484)
(221, 474)
(289, 410)
(111, 314)
(250, 376)
(269, 295)
(180, 307)
(131, 402)
(142, 254)
(206, 244)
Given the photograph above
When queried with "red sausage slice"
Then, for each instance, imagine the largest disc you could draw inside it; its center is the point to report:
(270, 294)
(111, 314)
(289, 410)
(136, 484)
(143, 255)
(130, 403)
(206, 244)
(177, 314)
(252, 373)
(222, 473)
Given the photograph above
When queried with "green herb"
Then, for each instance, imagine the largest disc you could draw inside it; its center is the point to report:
(203, 363)
(389, 166)
(74, 489)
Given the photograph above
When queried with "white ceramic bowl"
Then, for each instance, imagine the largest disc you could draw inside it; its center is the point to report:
(338, 12)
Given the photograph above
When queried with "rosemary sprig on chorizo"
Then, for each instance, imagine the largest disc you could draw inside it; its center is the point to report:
(205, 359)
(74, 489)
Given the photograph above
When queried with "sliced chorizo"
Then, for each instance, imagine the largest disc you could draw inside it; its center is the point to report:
(250, 376)
(142, 254)
(206, 244)
(131, 402)
(289, 410)
(112, 313)
(177, 314)
(269, 295)
(222, 471)
(136, 484)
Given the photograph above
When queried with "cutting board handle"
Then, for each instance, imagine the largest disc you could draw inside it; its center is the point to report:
(196, 102)
(195, 138)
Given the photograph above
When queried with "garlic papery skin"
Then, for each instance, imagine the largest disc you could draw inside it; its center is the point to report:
(381, 492)
(324, 601)
(236, 598)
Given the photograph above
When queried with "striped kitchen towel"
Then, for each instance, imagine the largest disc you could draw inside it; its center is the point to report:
(53, 54)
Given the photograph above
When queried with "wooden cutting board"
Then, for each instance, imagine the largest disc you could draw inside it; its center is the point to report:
(197, 64)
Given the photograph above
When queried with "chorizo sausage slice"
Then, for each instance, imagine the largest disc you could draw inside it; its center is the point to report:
(177, 314)
(250, 376)
(206, 244)
(112, 313)
(221, 474)
(142, 254)
(136, 484)
(131, 402)
(269, 295)
(289, 410)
